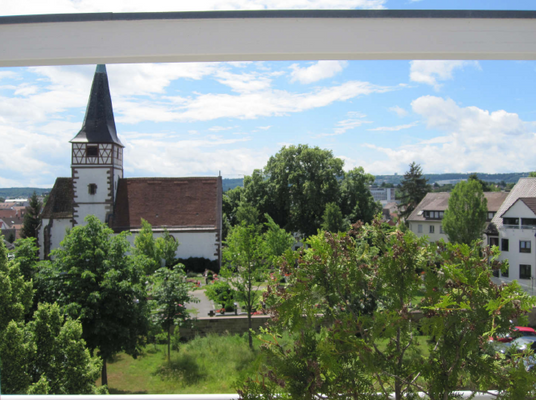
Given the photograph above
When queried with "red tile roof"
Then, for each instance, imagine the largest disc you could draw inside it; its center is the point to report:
(168, 202)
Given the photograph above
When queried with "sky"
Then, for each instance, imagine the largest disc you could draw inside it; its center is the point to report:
(202, 119)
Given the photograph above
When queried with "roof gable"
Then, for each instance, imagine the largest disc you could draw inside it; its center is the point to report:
(525, 188)
(520, 208)
(60, 200)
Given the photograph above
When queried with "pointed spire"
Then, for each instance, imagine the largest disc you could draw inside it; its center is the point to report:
(99, 124)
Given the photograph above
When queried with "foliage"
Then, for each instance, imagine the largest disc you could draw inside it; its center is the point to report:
(45, 355)
(26, 254)
(532, 174)
(414, 187)
(97, 282)
(220, 292)
(199, 264)
(486, 186)
(351, 302)
(357, 203)
(31, 218)
(276, 240)
(465, 219)
(170, 295)
(163, 248)
(247, 214)
(332, 220)
(244, 266)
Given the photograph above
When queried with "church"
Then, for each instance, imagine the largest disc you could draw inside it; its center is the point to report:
(189, 208)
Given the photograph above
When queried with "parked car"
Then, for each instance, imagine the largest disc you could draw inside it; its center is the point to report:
(517, 332)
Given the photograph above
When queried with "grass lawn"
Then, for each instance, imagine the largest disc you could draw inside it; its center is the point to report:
(204, 365)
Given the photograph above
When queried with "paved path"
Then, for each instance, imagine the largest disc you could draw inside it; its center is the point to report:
(202, 308)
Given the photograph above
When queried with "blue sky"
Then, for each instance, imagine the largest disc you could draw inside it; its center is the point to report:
(196, 119)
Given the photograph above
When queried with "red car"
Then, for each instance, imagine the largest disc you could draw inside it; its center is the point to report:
(517, 331)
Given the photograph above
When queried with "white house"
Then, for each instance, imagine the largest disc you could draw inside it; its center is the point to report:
(189, 208)
(426, 219)
(513, 229)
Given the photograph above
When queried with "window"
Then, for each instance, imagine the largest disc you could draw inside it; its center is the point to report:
(92, 188)
(513, 222)
(441, 229)
(490, 215)
(528, 222)
(524, 246)
(504, 244)
(505, 272)
(494, 241)
(419, 228)
(441, 214)
(92, 151)
(432, 228)
(524, 271)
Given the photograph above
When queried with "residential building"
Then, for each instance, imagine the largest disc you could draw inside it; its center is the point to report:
(513, 230)
(190, 209)
(426, 219)
(383, 195)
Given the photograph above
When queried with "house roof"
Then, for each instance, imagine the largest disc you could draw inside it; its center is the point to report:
(7, 213)
(440, 202)
(530, 202)
(525, 188)
(99, 123)
(168, 202)
(60, 200)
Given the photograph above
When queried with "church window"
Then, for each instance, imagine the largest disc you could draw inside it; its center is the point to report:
(92, 188)
(92, 151)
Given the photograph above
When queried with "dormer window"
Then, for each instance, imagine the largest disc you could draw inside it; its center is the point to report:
(92, 188)
(92, 151)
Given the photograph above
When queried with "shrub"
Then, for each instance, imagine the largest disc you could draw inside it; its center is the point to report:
(199, 264)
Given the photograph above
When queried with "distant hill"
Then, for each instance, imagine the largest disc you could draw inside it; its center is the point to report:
(511, 177)
(22, 192)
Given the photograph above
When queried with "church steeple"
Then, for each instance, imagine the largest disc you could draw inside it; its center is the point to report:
(99, 124)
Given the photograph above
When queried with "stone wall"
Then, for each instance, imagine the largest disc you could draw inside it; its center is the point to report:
(222, 324)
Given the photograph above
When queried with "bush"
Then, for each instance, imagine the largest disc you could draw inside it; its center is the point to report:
(221, 293)
(199, 264)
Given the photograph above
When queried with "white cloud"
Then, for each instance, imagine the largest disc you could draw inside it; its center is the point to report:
(220, 128)
(264, 128)
(317, 71)
(17, 7)
(243, 83)
(401, 112)
(347, 124)
(193, 158)
(265, 103)
(473, 140)
(394, 128)
(432, 71)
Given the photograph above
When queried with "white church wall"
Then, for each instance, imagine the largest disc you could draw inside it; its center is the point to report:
(58, 232)
(86, 176)
(192, 244)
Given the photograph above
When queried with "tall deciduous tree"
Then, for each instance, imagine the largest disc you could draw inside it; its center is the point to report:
(100, 284)
(170, 295)
(245, 267)
(465, 218)
(414, 187)
(302, 180)
(332, 220)
(276, 240)
(163, 248)
(31, 218)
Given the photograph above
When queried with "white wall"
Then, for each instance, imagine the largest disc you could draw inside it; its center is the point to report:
(85, 177)
(432, 237)
(192, 244)
(57, 232)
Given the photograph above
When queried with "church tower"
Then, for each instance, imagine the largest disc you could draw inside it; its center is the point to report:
(97, 155)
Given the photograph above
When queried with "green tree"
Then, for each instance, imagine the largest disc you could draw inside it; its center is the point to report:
(414, 187)
(357, 203)
(32, 218)
(26, 254)
(532, 174)
(166, 248)
(99, 283)
(332, 220)
(350, 306)
(276, 240)
(144, 245)
(45, 355)
(247, 214)
(486, 186)
(245, 268)
(301, 181)
(465, 219)
(170, 295)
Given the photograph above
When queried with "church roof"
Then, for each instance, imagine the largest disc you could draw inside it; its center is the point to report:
(60, 200)
(172, 203)
(99, 124)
